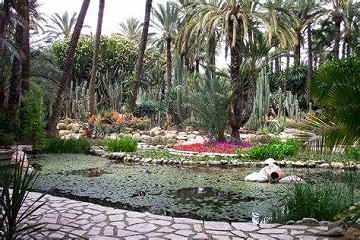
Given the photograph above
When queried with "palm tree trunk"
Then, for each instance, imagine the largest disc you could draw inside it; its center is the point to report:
(64, 82)
(168, 63)
(277, 64)
(297, 48)
(26, 48)
(140, 57)
(310, 60)
(4, 21)
(15, 84)
(95, 59)
(337, 20)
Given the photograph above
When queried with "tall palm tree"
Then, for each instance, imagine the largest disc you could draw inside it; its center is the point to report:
(61, 26)
(166, 21)
(140, 57)
(131, 29)
(241, 21)
(95, 59)
(337, 16)
(65, 79)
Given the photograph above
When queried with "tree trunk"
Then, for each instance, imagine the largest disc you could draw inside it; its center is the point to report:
(277, 65)
(15, 83)
(168, 63)
(65, 79)
(140, 57)
(4, 21)
(310, 61)
(95, 58)
(26, 48)
(337, 21)
(297, 48)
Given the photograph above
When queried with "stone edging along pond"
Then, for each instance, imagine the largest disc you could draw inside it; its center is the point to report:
(123, 157)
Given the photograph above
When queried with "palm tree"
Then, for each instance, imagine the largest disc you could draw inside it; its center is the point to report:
(241, 21)
(166, 21)
(95, 59)
(65, 79)
(337, 16)
(61, 26)
(131, 29)
(140, 57)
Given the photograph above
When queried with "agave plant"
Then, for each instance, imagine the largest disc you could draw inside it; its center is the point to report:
(15, 182)
(336, 87)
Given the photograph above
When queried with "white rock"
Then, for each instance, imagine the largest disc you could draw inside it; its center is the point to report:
(113, 136)
(270, 161)
(292, 179)
(257, 177)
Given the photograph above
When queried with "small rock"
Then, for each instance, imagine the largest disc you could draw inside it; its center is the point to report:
(310, 222)
(337, 165)
(290, 222)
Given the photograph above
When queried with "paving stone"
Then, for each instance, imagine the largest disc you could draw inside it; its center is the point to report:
(155, 238)
(142, 227)
(91, 211)
(137, 237)
(124, 233)
(102, 238)
(296, 232)
(322, 228)
(154, 234)
(158, 217)
(200, 236)
(109, 231)
(220, 237)
(295, 227)
(160, 222)
(238, 238)
(132, 221)
(185, 233)
(131, 214)
(268, 225)
(198, 227)
(94, 231)
(306, 237)
(117, 217)
(77, 233)
(247, 227)
(86, 226)
(113, 211)
(118, 225)
(83, 222)
(181, 226)
(166, 230)
(224, 233)
(59, 235)
(101, 224)
(272, 231)
(84, 216)
(52, 226)
(239, 233)
(261, 236)
(217, 225)
(98, 218)
(281, 236)
(175, 237)
(187, 221)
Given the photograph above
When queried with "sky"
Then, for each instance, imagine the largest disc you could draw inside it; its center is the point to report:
(115, 11)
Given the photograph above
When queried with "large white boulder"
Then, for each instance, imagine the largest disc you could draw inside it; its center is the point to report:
(257, 177)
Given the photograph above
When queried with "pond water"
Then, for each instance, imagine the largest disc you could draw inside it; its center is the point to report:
(195, 192)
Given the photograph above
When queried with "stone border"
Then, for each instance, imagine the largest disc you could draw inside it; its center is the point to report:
(123, 157)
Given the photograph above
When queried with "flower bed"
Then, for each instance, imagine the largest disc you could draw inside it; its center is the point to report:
(214, 147)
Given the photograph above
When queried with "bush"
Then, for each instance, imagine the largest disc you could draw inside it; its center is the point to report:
(274, 149)
(122, 145)
(322, 202)
(57, 145)
(353, 153)
(6, 140)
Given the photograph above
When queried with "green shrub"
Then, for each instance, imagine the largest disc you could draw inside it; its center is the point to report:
(57, 145)
(353, 153)
(122, 145)
(274, 149)
(6, 140)
(322, 202)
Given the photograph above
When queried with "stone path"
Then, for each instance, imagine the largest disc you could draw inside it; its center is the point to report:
(68, 219)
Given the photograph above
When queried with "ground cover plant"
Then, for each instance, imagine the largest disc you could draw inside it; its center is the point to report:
(214, 147)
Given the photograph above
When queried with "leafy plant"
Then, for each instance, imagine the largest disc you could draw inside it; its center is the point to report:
(322, 202)
(15, 182)
(57, 145)
(122, 145)
(210, 102)
(274, 149)
(353, 153)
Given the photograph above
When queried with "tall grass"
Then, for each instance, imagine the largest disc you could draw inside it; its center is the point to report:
(122, 145)
(57, 145)
(321, 201)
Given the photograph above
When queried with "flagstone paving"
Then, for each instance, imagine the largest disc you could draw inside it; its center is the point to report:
(68, 219)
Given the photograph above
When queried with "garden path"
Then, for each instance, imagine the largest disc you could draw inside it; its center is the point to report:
(69, 219)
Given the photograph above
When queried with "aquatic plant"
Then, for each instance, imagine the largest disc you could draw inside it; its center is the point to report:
(274, 149)
(58, 145)
(122, 145)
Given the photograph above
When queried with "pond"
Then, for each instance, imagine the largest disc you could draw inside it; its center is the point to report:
(196, 192)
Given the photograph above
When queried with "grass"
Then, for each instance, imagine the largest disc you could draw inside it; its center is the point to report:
(122, 145)
(57, 145)
(322, 201)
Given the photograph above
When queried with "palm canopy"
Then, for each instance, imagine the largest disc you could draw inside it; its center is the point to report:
(61, 26)
(131, 29)
(337, 87)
